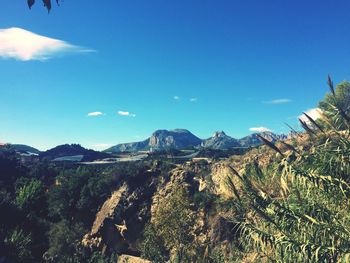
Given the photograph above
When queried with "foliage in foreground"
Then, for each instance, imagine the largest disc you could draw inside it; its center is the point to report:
(299, 211)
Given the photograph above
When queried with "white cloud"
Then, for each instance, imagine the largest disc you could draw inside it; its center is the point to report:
(193, 99)
(95, 113)
(277, 101)
(176, 98)
(24, 45)
(126, 113)
(259, 129)
(314, 113)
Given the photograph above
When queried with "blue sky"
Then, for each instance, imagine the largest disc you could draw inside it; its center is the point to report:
(201, 65)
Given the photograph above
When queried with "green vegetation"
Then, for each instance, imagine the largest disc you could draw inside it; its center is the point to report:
(172, 224)
(299, 210)
(43, 219)
(336, 105)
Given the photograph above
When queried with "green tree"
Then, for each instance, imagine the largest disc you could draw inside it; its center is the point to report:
(153, 245)
(78, 193)
(173, 222)
(31, 198)
(64, 238)
(332, 103)
(18, 246)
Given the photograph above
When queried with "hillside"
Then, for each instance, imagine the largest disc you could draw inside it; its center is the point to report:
(22, 148)
(220, 141)
(72, 152)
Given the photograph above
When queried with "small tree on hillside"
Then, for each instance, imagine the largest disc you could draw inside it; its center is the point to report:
(174, 221)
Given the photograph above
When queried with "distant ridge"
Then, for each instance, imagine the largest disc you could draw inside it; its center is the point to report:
(72, 152)
(253, 139)
(161, 140)
(22, 148)
(182, 139)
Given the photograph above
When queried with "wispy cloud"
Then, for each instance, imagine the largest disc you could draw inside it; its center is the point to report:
(176, 98)
(314, 113)
(24, 45)
(126, 113)
(278, 101)
(259, 129)
(94, 114)
(193, 99)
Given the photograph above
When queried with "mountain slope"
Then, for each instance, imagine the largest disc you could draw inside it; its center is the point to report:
(161, 140)
(220, 141)
(22, 148)
(67, 150)
(129, 147)
(253, 139)
(174, 139)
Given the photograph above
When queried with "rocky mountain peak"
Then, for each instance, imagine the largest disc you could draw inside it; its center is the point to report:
(178, 138)
(220, 140)
(219, 134)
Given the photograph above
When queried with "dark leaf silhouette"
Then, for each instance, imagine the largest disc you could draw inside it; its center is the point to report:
(290, 147)
(31, 3)
(47, 3)
(330, 84)
(336, 103)
(306, 127)
(313, 122)
(270, 144)
(290, 127)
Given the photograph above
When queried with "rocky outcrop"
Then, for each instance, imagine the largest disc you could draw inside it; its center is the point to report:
(107, 210)
(174, 139)
(161, 140)
(220, 141)
(103, 231)
(178, 176)
(120, 221)
(131, 259)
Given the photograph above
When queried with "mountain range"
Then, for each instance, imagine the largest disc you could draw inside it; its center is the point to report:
(160, 140)
(184, 139)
